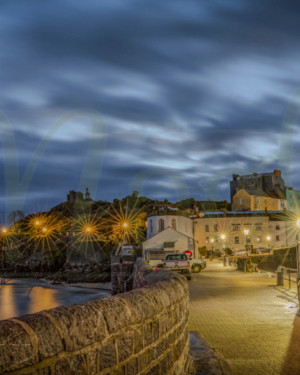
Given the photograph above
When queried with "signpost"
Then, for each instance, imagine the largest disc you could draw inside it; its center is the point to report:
(188, 253)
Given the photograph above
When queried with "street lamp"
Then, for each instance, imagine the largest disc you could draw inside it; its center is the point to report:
(44, 229)
(246, 231)
(298, 223)
(269, 238)
(4, 230)
(37, 222)
(125, 225)
(223, 238)
(88, 229)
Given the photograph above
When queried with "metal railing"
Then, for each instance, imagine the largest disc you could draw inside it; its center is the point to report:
(288, 274)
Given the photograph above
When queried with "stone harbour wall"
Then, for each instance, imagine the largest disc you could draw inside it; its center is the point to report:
(144, 331)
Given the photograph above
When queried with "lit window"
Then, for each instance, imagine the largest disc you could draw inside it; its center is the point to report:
(236, 239)
(248, 239)
(207, 240)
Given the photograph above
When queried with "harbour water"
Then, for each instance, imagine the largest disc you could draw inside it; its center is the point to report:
(26, 296)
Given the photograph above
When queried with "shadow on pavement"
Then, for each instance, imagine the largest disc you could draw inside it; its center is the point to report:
(291, 364)
(206, 360)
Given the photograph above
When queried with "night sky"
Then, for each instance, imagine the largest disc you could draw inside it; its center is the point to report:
(181, 93)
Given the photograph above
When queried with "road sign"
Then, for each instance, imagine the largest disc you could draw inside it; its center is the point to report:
(188, 253)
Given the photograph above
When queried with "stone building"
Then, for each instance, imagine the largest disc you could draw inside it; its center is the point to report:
(77, 196)
(256, 181)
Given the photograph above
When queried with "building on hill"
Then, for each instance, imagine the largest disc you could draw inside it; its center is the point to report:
(258, 200)
(256, 181)
(77, 196)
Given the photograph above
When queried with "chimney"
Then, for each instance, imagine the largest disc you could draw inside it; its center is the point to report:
(277, 172)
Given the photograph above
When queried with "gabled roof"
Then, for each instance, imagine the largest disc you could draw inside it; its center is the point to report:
(170, 229)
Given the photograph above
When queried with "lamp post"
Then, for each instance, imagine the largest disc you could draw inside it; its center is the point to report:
(212, 248)
(223, 242)
(269, 244)
(246, 231)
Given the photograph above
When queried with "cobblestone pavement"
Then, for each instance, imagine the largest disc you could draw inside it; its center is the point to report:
(250, 322)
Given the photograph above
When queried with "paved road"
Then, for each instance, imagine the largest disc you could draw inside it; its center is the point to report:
(246, 319)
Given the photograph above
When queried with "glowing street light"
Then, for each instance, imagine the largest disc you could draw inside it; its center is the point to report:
(88, 229)
(125, 225)
(223, 236)
(44, 229)
(246, 231)
(37, 222)
(4, 230)
(298, 223)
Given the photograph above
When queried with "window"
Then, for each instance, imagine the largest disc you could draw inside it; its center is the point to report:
(277, 238)
(161, 225)
(206, 228)
(273, 203)
(176, 257)
(241, 201)
(173, 224)
(236, 239)
(256, 200)
(265, 202)
(216, 238)
(216, 227)
(151, 226)
(236, 227)
(207, 240)
(248, 239)
(282, 204)
(298, 197)
(259, 239)
(258, 226)
(277, 227)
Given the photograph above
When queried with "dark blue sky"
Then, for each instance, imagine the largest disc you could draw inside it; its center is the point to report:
(182, 95)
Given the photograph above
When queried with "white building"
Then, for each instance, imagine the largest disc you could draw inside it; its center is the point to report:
(213, 225)
(168, 241)
(179, 222)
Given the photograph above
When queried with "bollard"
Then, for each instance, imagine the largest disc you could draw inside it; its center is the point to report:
(245, 265)
(279, 278)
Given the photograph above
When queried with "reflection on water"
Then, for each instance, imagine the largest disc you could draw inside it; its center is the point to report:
(27, 296)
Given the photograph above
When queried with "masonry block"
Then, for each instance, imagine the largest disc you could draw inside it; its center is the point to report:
(107, 356)
(125, 347)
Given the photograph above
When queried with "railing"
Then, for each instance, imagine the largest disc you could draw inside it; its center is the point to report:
(287, 274)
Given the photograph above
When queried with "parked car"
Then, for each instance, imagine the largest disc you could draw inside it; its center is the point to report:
(262, 250)
(178, 263)
(215, 254)
(197, 265)
(240, 252)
